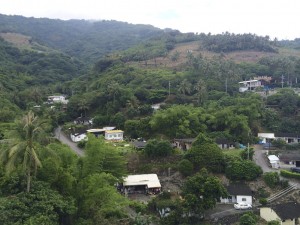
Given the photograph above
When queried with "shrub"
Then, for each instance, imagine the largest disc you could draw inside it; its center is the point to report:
(286, 173)
(271, 179)
(185, 167)
(263, 201)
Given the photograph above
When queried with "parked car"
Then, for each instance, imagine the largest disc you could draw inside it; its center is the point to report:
(295, 169)
(242, 205)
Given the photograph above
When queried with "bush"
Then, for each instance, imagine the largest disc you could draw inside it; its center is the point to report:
(248, 219)
(81, 144)
(185, 167)
(263, 201)
(286, 173)
(271, 179)
(157, 148)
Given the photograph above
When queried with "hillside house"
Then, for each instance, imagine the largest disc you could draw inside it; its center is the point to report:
(238, 192)
(139, 144)
(142, 183)
(224, 143)
(289, 138)
(290, 158)
(99, 131)
(57, 99)
(83, 121)
(113, 135)
(183, 144)
(249, 85)
(285, 213)
(78, 135)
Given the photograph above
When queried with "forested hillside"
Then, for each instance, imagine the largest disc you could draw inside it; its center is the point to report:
(86, 40)
(156, 85)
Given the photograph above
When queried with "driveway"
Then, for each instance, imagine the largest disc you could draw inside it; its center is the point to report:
(260, 158)
(65, 140)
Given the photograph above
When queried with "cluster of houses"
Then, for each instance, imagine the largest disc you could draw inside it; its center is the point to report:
(109, 133)
(286, 158)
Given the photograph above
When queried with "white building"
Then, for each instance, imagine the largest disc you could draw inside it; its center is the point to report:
(249, 85)
(57, 99)
(266, 137)
(238, 193)
(78, 137)
(142, 183)
(274, 161)
(114, 135)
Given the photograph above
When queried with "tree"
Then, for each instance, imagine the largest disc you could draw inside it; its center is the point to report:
(185, 167)
(201, 91)
(242, 170)
(272, 179)
(24, 150)
(158, 148)
(248, 219)
(100, 200)
(206, 154)
(102, 157)
(201, 192)
(185, 87)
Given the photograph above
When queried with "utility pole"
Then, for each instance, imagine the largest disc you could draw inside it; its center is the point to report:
(281, 81)
(226, 84)
(169, 88)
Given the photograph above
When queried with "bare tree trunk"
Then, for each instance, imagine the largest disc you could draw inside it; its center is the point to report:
(28, 180)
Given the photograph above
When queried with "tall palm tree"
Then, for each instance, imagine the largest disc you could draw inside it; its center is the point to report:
(185, 87)
(201, 91)
(24, 151)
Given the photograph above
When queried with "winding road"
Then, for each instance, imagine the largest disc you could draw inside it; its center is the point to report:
(65, 140)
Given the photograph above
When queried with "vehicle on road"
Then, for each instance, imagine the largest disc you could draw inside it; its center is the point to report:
(241, 205)
(295, 169)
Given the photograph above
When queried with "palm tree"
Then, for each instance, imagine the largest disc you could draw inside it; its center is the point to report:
(185, 87)
(201, 91)
(24, 151)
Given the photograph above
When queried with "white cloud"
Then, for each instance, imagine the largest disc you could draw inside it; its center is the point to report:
(276, 18)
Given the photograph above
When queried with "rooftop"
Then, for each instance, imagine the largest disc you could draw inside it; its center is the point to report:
(288, 210)
(114, 131)
(151, 180)
(239, 189)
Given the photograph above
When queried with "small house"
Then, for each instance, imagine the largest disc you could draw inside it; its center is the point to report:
(285, 213)
(291, 159)
(266, 137)
(83, 121)
(114, 135)
(249, 85)
(57, 99)
(142, 183)
(274, 161)
(224, 143)
(78, 135)
(238, 192)
(183, 144)
(289, 138)
(99, 131)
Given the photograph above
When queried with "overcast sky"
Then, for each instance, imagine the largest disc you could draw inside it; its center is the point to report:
(276, 18)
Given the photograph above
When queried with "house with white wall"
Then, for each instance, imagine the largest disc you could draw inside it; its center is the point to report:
(114, 135)
(238, 192)
(285, 213)
(249, 85)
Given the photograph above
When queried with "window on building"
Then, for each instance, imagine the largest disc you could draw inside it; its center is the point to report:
(244, 199)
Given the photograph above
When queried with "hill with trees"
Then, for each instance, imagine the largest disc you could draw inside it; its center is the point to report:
(114, 73)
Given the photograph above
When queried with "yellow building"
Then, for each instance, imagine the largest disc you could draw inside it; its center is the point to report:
(286, 213)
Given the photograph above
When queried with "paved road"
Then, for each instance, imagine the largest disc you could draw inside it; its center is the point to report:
(260, 158)
(64, 139)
